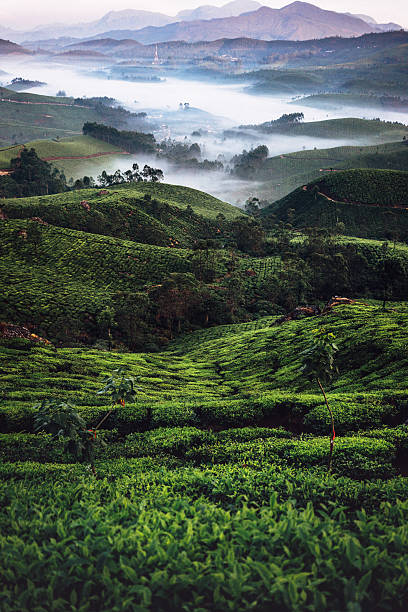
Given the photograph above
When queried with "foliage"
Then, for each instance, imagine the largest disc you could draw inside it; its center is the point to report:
(61, 420)
(31, 176)
(119, 387)
(134, 142)
(318, 358)
(370, 203)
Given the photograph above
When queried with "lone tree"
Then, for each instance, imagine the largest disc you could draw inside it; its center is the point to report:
(318, 366)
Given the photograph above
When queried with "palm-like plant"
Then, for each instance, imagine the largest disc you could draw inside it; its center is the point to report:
(62, 420)
(120, 388)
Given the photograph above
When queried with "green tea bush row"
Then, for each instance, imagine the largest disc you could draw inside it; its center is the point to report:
(62, 547)
(227, 484)
(302, 413)
(356, 457)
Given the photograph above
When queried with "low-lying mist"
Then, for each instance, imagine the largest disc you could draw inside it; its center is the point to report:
(213, 108)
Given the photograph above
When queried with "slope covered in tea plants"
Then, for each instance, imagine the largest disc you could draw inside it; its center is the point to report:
(370, 203)
(243, 374)
(284, 173)
(210, 473)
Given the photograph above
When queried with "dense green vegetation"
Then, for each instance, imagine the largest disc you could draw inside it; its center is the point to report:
(284, 173)
(75, 146)
(368, 203)
(171, 436)
(349, 127)
(211, 474)
(82, 265)
(385, 188)
(133, 142)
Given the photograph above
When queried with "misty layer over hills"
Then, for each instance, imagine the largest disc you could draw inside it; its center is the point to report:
(296, 21)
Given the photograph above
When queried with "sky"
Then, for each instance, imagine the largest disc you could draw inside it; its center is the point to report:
(26, 14)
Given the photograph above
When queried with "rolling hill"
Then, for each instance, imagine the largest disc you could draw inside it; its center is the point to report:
(284, 173)
(25, 116)
(370, 203)
(11, 48)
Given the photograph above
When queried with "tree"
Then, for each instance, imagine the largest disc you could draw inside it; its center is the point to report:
(318, 365)
(252, 206)
(30, 175)
(391, 270)
(62, 420)
(174, 299)
(105, 321)
(250, 162)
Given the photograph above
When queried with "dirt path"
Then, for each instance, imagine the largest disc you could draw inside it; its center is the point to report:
(86, 156)
(344, 201)
(41, 103)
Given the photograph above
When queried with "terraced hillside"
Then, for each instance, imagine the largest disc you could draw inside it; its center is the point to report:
(209, 489)
(370, 203)
(347, 127)
(217, 471)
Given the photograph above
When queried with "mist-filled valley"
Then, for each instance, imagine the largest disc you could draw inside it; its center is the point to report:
(207, 112)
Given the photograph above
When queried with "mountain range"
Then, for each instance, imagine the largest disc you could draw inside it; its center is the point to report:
(130, 19)
(318, 52)
(296, 21)
(248, 18)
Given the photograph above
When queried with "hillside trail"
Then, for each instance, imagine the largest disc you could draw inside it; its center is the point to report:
(5, 172)
(344, 201)
(41, 103)
(86, 156)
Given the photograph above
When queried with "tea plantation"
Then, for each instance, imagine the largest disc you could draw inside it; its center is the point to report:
(370, 203)
(212, 490)
(209, 490)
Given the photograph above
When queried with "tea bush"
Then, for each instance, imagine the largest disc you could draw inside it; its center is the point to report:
(174, 551)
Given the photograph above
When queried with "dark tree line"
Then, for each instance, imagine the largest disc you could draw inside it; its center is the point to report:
(133, 142)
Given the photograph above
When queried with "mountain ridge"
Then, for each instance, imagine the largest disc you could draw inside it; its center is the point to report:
(344, 24)
(296, 21)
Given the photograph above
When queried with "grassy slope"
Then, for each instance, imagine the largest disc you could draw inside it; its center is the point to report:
(68, 275)
(332, 100)
(228, 363)
(284, 173)
(76, 146)
(31, 117)
(348, 127)
(174, 195)
(23, 122)
(180, 196)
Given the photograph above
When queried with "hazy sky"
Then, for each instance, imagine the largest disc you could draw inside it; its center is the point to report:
(25, 14)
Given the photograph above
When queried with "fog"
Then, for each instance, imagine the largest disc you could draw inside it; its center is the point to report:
(215, 108)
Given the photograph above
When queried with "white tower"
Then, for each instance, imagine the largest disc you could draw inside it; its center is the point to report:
(156, 60)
